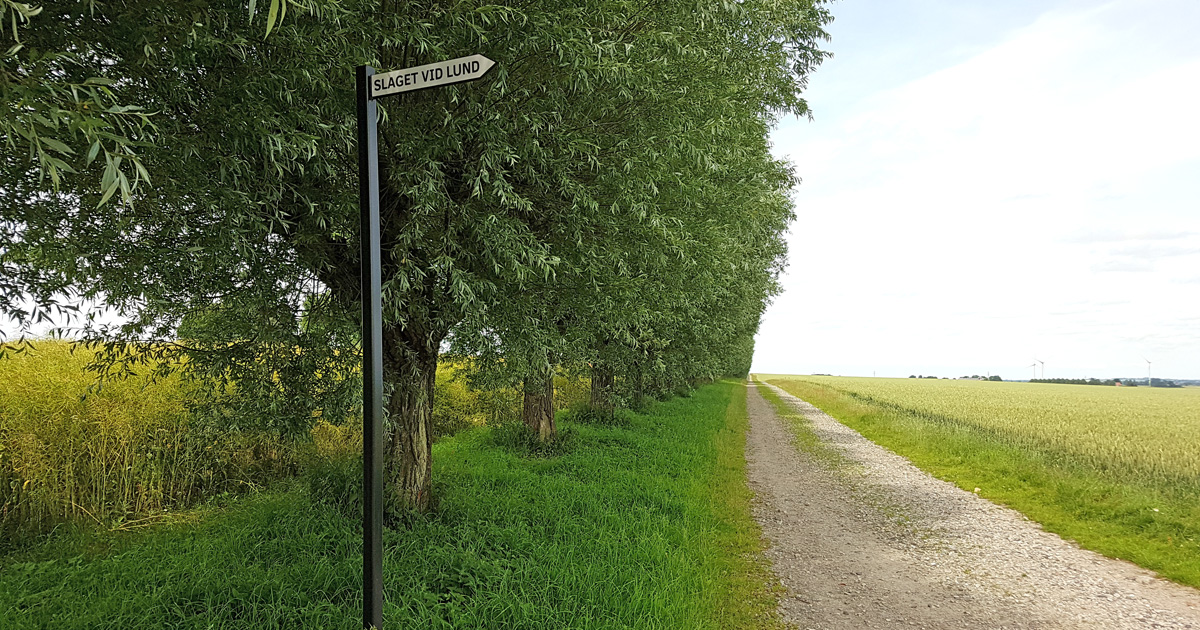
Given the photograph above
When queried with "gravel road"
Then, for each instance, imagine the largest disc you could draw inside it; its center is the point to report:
(869, 541)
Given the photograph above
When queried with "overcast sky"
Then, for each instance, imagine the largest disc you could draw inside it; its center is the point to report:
(989, 183)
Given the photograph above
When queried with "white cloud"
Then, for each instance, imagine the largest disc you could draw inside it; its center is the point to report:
(1108, 235)
(956, 219)
(1153, 251)
(1122, 266)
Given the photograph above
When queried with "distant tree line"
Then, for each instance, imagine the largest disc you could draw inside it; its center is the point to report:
(974, 377)
(1158, 382)
(1078, 381)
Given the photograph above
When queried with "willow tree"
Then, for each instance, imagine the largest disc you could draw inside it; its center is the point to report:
(683, 183)
(239, 216)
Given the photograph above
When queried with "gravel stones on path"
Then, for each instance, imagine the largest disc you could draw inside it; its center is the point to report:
(870, 541)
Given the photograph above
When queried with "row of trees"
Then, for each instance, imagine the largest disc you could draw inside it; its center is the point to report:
(1077, 381)
(1158, 382)
(603, 200)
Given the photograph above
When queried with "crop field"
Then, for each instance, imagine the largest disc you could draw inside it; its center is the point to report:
(1115, 468)
(128, 454)
(1151, 435)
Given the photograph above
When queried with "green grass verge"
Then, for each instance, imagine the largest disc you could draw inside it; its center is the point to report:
(1157, 527)
(803, 435)
(645, 526)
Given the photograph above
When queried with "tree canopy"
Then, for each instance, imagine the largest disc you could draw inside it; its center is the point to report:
(605, 198)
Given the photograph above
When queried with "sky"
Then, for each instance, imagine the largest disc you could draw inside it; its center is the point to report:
(987, 184)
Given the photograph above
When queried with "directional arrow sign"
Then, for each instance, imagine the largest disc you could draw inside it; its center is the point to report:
(430, 75)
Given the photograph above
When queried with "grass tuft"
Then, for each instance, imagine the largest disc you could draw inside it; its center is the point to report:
(583, 412)
(804, 437)
(521, 440)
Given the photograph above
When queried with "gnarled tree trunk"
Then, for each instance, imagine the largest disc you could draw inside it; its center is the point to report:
(409, 369)
(602, 389)
(639, 386)
(538, 411)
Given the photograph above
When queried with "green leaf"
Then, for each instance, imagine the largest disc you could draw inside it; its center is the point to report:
(59, 164)
(126, 193)
(109, 190)
(272, 15)
(141, 170)
(109, 178)
(57, 145)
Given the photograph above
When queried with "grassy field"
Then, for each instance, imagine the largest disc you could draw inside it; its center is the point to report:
(643, 526)
(1116, 469)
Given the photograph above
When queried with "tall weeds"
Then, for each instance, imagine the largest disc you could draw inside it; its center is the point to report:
(120, 455)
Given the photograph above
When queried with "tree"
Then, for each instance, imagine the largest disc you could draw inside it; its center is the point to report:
(252, 212)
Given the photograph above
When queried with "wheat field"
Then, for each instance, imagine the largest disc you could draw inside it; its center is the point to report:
(1152, 435)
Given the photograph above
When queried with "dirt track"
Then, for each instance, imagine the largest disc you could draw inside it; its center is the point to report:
(872, 542)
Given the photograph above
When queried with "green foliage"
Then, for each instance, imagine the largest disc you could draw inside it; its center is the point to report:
(255, 374)
(605, 196)
(135, 447)
(1158, 382)
(570, 389)
(57, 120)
(459, 405)
(333, 467)
(642, 527)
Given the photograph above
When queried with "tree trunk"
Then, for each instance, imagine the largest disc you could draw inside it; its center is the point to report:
(639, 387)
(538, 411)
(409, 372)
(661, 386)
(602, 389)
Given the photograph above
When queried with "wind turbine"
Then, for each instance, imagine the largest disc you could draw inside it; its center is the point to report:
(1149, 378)
(1043, 368)
(1034, 366)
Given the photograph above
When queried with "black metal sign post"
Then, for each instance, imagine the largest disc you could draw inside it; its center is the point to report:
(371, 86)
(372, 344)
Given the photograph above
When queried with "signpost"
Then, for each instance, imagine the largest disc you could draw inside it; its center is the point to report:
(430, 75)
(371, 86)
